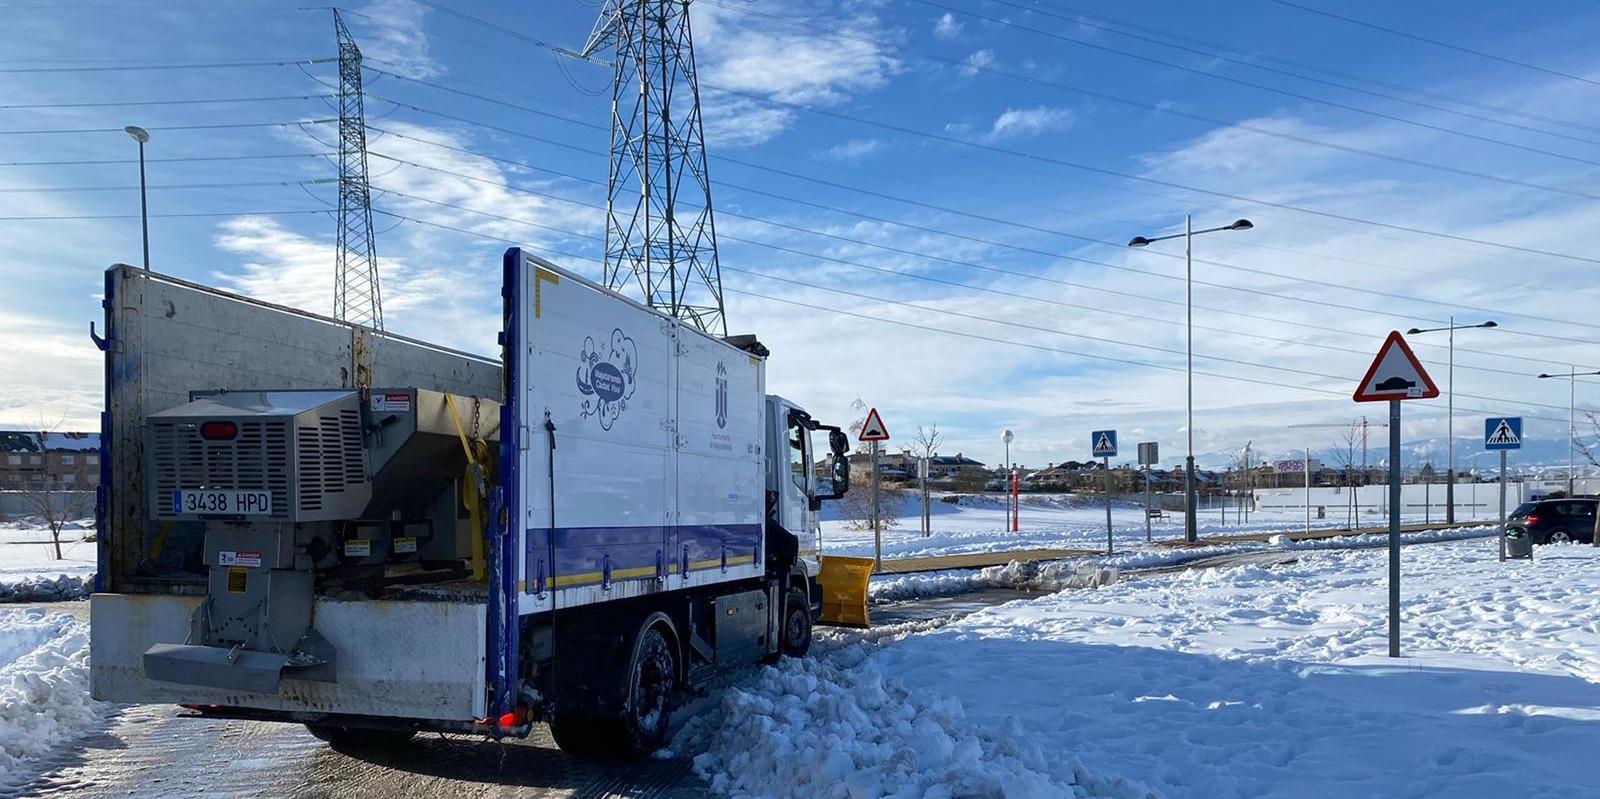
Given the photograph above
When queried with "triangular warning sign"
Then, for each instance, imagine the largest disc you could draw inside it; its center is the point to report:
(1504, 434)
(873, 429)
(1395, 374)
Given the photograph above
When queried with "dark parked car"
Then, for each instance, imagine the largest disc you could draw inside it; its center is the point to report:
(1554, 520)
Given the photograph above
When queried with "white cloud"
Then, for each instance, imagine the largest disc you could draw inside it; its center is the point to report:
(977, 62)
(1023, 123)
(743, 54)
(391, 31)
(854, 149)
(52, 372)
(946, 26)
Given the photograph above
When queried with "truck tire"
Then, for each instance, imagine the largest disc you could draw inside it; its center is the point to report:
(351, 739)
(642, 726)
(794, 639)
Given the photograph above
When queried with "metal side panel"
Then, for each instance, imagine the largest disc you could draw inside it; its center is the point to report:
(413, 660)
(168, 337)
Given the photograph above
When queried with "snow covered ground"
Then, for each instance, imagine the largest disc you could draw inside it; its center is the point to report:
(44, 689)
(29, 571)
(977, 523)
(1239, 681)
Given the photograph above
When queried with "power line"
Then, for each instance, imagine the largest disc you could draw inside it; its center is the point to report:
(135, 187)
(141, 66)
(1254, 60)
(1386, 313)
(1436, 42)
(816, 256)
(1092, 356)
(174, 160)
(112, 103)
(88, 217)
(1159, 108)
(1023, 155)
(1263, 87)
(214, 126)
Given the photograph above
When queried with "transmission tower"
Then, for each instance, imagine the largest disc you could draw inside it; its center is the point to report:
(355, 289)
(660, 235)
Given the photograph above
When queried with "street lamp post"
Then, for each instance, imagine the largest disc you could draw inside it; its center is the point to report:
(141, 136)
(1190, 532)
(1572, 421)
(1450, 434)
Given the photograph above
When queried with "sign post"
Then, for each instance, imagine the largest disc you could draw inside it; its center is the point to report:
(1149, 454)
(1105, 448)
(927, 518)
(1503, 433)
(1394, 377)
(873, 431)
(1306, 464)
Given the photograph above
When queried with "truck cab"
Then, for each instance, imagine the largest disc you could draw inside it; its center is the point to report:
(796, 486)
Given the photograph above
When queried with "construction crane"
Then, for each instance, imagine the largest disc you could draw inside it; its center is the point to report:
(661, 236)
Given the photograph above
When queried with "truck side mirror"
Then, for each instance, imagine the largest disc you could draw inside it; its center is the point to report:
(839, 443)
(841, 474)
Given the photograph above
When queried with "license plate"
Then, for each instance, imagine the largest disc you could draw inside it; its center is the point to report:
(221, 502)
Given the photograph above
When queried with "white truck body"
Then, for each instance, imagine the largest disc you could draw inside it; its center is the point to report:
(658, 457)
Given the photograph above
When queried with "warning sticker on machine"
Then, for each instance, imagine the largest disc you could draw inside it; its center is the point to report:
(405, 545)
(391, 403)
(357, 548)
(236, 580)
(243, 557)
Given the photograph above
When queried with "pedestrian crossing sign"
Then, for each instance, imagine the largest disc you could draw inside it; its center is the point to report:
(1503, 432)
(1104, 443)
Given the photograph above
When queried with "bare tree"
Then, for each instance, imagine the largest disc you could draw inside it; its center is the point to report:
(1344, 457)
(45, 493)
(927, 440)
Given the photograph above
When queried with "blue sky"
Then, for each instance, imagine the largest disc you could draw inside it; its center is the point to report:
(940, 102)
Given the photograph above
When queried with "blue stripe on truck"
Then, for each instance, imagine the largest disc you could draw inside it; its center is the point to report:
(583, 554)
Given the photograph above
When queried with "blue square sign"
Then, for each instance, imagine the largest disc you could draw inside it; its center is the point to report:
(1104, 443)
(1502, 432)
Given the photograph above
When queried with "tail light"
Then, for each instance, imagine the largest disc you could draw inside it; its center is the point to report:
(1531, 519)
(219, 431)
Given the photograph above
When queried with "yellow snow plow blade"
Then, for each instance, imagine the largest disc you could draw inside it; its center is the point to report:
(844, 590)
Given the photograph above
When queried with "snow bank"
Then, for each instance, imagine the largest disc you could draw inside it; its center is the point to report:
(1096, 571)
(44, 687)
(834, 726)
(60, 588)
(1027, 576)
(29, 569)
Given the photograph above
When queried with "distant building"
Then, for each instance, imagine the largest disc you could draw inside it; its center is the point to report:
(32, 461)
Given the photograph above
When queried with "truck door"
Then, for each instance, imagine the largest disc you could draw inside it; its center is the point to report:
(717, 533)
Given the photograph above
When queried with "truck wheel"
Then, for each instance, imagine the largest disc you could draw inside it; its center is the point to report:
(354, 738)
(796, 635)
(641, 728)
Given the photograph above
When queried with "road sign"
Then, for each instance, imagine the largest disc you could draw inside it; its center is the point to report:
(1503, 432)
(1395, 374)
(872, 429)
(1149, 453)
(1105, 443)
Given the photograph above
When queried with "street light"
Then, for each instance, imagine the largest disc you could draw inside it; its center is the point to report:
(141, 136)
(1189, 530)
(1450, 437)
(1572, 419)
